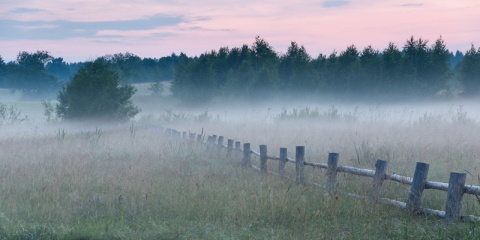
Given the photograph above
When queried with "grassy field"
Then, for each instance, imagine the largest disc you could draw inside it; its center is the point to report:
(136, 184)
(73, 181)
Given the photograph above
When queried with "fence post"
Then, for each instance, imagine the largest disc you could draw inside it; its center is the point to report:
(209, 143)
(300, 164)
(246, 154)
(199, 138)
(238, 151)
(229, 147)
(418, 185)
(380, 170)
(192, 137)
(214, 139)
(220, 142)
(263, 158)
(456, 186)
(281, 161)
(332, 173)
(184, 135)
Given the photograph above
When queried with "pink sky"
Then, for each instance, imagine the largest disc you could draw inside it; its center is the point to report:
(83, 30)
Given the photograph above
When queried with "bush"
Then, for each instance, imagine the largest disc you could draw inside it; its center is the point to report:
(94, 93)
(10, 114)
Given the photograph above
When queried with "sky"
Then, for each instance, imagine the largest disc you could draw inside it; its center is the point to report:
(82, 30)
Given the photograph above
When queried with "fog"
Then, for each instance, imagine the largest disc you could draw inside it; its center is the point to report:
(269, 111)
(168, 111)
(444, 132)
(132, 171)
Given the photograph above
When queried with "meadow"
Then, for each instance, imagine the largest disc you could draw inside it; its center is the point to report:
(76, 181)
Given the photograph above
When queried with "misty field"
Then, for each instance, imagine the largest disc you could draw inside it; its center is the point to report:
(72, 181)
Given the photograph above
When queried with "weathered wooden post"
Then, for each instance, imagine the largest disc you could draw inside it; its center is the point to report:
(263, 158)
(192, 137)
(229, 148)
(220, 143)
(456, 188)
(214, 139)
(300, 164)
(246, 154)
(209, 143)
(238, 151)
(378, 178)
(418, 185)
(332, 173)
(282, 160)
(199, 138)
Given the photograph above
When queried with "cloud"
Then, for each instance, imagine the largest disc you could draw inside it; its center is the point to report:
(34, 27)
(412, 5)
(25, 10)
(207, 29)
(334, 3)
(201, 19)
(61, 29)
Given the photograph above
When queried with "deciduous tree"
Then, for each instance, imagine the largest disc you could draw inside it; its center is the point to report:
(29, 75)
(95, 93)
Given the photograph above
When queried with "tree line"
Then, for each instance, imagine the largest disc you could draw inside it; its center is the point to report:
(415, 69)
(40, 75)
(254, 71)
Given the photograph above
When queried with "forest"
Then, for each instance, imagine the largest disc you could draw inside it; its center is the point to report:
(416, 69)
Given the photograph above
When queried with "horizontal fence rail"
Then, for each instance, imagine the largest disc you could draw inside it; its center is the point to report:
(455, 188)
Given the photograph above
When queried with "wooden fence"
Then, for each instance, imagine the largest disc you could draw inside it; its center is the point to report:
(455, 188)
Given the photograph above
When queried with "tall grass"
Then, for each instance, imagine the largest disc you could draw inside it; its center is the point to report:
(112, 184)
(169, 116)
(307, 113)
(10, 114)
(131, 182)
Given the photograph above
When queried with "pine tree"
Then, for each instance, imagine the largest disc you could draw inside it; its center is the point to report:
(469, 70)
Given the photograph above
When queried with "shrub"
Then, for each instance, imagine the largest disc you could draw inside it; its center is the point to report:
(94, 93)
